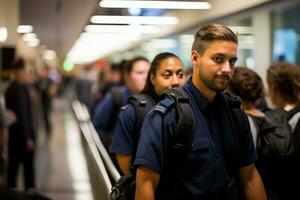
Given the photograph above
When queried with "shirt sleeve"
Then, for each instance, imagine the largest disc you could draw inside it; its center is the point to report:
(154, 139)
(122, 141)
(102, 114)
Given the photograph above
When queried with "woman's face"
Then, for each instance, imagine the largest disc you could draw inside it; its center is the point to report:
(137, 77)
(168, 75)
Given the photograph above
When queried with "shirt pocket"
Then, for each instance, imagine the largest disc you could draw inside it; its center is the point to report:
(200, 143)
(199, 154)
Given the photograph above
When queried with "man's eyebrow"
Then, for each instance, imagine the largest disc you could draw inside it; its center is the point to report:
(223, 55)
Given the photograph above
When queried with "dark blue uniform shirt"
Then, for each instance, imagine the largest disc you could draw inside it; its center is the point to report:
(218, 149)
(103, 114)
(122, 142)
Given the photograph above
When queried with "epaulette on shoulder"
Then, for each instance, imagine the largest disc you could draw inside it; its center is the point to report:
(164, 105)
(124, 107)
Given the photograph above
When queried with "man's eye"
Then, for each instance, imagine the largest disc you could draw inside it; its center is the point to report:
(218, 59)
(232, 61)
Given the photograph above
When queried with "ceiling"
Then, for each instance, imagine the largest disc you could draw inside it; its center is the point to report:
(58, 23)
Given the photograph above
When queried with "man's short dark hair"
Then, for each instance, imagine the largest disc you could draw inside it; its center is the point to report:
(210, 33)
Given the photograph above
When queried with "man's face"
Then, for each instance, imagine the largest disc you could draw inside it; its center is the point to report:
(137, 77)
(214, 67)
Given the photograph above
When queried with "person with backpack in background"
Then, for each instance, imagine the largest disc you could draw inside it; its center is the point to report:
(284, 89)
(266, 132)
(218, 148)
(166, 71)
(248, 85)
(105, 113)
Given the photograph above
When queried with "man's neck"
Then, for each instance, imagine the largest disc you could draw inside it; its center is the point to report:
(206, 92)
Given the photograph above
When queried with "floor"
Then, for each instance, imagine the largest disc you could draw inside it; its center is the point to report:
(61, 171)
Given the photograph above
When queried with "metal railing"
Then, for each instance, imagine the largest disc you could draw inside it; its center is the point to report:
(100, 165)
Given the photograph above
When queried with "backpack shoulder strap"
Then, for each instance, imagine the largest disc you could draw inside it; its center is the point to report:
(183, 133)
(235, 104)
(118, 101)
(142, 104)
(117, 95)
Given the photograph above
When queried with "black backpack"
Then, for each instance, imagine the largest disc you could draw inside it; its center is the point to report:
(276, 139)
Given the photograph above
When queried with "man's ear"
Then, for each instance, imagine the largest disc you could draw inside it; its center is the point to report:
(194, 57)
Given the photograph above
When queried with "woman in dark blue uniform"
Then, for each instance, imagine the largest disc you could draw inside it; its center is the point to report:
(166, 72)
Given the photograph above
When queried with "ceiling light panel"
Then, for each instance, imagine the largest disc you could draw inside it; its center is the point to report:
(155, 4)
(106, 19)
(120, 29)
(24, 29)
(3, 34)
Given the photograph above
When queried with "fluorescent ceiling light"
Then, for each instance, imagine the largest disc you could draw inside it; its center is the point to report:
(106, 19)
(24, 29)
(155, 4)
(33, 43)
(49, 54)
(110, 36)
(120, 29)
(3, 34)
(29, 36)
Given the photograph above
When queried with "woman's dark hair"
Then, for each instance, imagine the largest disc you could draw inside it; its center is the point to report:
(128, 65)
(285, 79)
(155, 64)
(247, 84)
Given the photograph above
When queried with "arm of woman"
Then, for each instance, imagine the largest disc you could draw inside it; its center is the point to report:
(146, 183)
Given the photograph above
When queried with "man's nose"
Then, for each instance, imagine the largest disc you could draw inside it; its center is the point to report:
(226, 67)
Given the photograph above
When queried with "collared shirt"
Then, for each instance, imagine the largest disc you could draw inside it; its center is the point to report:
(217, 149)
(123, 141)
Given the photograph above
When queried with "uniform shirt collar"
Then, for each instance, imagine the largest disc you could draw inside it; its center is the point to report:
(200, 100)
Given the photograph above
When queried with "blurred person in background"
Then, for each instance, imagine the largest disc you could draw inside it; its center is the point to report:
(21, 133)
(248, 85)
(283, 81)
(166, 72)
(106, 79)
(106, 111)
(46, 89)
(3, 143)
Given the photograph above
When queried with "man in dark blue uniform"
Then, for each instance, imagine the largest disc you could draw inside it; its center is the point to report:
(219, 149)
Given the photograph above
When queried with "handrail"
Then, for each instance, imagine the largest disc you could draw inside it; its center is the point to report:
(92, 147)
(95, 153)
(107, 160)
(94, 141)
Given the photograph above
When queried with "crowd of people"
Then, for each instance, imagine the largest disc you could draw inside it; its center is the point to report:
(231, 146)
